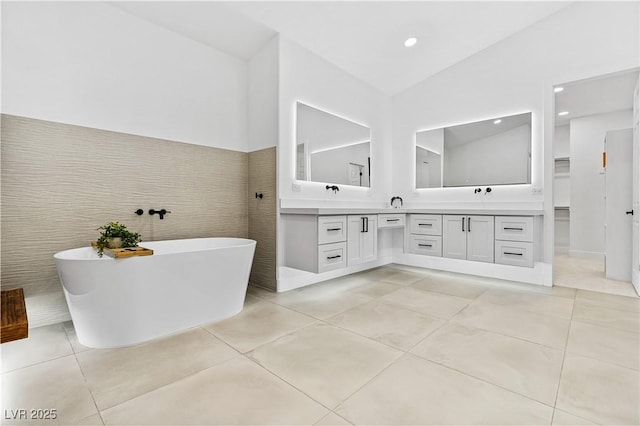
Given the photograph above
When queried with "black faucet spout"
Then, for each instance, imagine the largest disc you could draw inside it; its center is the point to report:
(160, 213)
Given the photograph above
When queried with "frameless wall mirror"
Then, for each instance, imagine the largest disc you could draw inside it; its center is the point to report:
(488, 152)
(331, 149)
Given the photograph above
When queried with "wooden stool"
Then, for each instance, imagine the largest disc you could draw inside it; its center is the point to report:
(14, 316)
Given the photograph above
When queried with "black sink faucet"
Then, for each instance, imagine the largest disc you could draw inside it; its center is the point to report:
(161, 213)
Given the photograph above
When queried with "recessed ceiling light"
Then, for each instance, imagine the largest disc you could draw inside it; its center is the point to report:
(498, 121)
(411, 41)
(563, 113)
(558, 89)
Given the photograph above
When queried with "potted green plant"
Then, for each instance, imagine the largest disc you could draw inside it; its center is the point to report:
(116, 235)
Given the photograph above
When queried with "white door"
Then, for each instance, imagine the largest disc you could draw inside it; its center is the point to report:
(618, 204)
(355, 174)
(480, 238)
(635, 257)
(369, 239)
(454, 236)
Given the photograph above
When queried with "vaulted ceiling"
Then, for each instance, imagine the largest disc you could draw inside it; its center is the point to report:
(365, 38)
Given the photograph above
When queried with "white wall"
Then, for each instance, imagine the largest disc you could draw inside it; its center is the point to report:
(587, 135)
(263, 97)
(90, 64)
(515, 76)
(310, 79)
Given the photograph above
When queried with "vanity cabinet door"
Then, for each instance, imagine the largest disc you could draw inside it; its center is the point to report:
(468, 237)
(362, 239)
(454, 236)
(370, 240)
(480, 238)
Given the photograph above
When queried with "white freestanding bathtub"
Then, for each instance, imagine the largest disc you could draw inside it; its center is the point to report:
(185, 283)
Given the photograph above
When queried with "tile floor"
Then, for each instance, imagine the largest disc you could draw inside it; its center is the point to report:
(587, 274)
(394, 345)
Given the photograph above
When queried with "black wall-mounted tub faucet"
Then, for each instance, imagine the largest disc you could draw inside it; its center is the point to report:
(334, 188)
(161, 212)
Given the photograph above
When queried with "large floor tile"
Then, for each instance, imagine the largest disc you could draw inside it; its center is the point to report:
(419, 392)
(402, 278)
(391, 325)
(587, 274)
(606, 344)
(236, 392)
(598, 391)
(332, 419)
(374, 288)
(257, 325)
(561, 418)
(56, 385)
(555, 290)
(360, 283)
(94, 420)
(116, 375)
(453, 285)
(560, 307)
(320, 301)
(542, 329)
(325, 362)
(260, 292)
(73, 338)
(523, 367)
(426, 302)
(393, 275)
(612, 301)
(43, 344)
(594, 313)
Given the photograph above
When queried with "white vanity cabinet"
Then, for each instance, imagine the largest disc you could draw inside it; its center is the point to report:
(315, 243)
(425, 234)
(514, 240)
(362, 239)
(468, 237)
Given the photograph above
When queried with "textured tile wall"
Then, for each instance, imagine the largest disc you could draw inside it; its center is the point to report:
(262, 216)
(60, 182)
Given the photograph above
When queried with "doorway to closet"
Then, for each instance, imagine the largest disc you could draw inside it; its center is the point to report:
(595, 153)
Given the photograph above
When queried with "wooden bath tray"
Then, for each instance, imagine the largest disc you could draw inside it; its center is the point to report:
(125, 252)
(15, 324)
(128, 252)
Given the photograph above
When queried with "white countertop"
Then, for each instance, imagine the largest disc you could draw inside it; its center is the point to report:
(477, 211)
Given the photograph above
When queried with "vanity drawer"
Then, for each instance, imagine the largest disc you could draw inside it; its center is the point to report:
(332, 256)
(391, 220)
(332, 229)
(425, 244)
(514, 228)
(426, 224)
(514, 253)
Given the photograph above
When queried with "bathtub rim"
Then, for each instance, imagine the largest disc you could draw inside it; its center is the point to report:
(67, 255)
